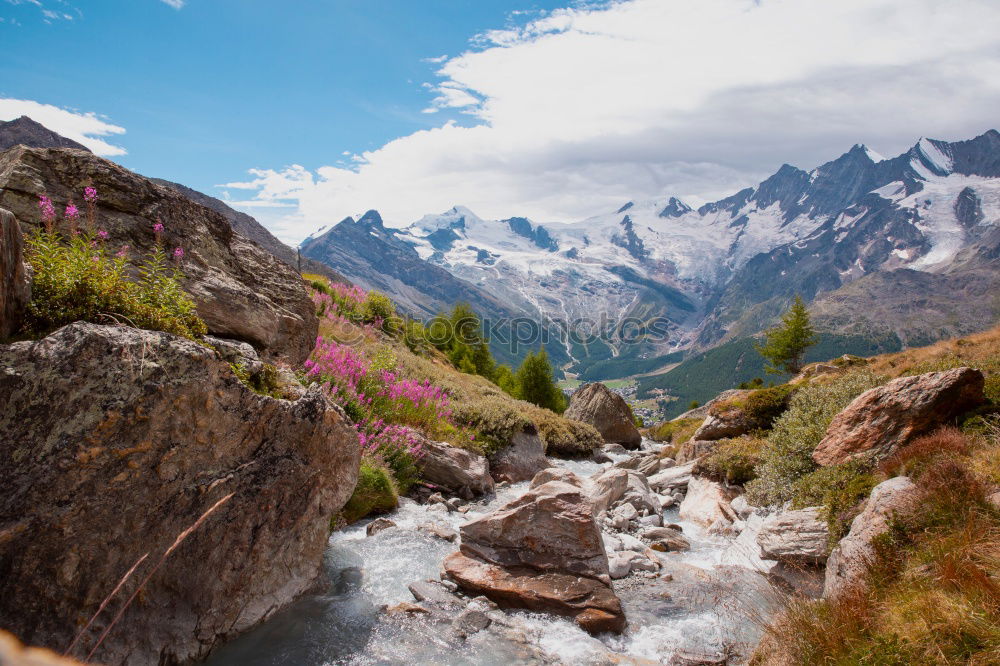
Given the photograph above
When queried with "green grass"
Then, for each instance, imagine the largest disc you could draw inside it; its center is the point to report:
(705, 375)
(374, 493)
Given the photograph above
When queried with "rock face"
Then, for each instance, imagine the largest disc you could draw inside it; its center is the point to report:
(520, 461)
(707, 502)
(725, 419)
(607, 411)
(797, 537)
(242, 291)
(883, 419)
(113, 443)
(456, 470)
(15, 281)
(847, 564)
(542, 551)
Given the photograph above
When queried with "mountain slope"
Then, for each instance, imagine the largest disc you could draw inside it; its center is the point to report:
(27, 132)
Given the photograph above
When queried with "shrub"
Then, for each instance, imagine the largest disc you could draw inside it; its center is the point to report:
(375, 492)
(78, 279)
(734, 461)
(565, 437)
(788, 454)
(913, 458)
(496, 418)
(674, 432)
(763, 406)
(265, 381)
(377, 309)
(837, 490)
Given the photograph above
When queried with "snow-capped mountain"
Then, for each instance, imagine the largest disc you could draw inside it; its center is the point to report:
(727, 267)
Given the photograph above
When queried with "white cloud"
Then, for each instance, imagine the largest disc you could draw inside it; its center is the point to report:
(586, 108)
(176, 4)
(81, 127)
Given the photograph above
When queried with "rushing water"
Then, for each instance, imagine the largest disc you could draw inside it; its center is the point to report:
(693, 606)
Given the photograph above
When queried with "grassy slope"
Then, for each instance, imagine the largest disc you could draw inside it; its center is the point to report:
(702, 377)
(933, 592)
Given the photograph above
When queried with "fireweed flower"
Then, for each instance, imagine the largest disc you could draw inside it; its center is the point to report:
(48, 211)
(158, 228)
(178, 253)
(123, 252)
(72, 212)
(90, 194)
(102, 234)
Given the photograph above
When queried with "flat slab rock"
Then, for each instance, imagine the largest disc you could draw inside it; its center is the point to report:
(591, 603)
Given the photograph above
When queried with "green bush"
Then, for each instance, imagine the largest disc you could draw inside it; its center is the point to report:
(763, 406)
(790, 444)
(565, 437)
(377, 308)
(496, 418)
(674, 432)
(265, 381)
(734, 461)
(375, 493)
(838, 490)
(77, 279)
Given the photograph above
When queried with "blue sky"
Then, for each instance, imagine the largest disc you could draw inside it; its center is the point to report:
(303, 112)
(217, 86)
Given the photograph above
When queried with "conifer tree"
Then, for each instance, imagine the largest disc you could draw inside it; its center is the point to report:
(785, 345)
(535, 383)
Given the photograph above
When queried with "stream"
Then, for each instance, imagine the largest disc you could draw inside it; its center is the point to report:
(706, 605)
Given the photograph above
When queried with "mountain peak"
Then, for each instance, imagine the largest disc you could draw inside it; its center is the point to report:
(675, 208)
(28, 132)
(372, 219)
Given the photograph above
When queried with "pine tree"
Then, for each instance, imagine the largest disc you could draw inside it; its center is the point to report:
(785, 345)
(535, 384)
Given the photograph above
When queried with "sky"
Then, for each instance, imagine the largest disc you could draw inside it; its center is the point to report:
(302, 112)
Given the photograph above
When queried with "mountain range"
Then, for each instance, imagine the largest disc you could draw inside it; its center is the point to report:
(901, 250)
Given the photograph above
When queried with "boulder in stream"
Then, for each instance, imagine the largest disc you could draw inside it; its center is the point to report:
(607, 411)
(542, 551)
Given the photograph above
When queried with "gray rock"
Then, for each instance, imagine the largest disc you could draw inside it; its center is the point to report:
(848, 561)
(454, 469)
(706, 502)
(15, 276)
(471, 621)
(797, 537)
(672, 479)
(378, 525)
(241, 291)
(433, 592)
(440, 531)
(521, 460)
(652, 520)
(236, 352)
(626, 512)
(607, 411)
(113, 435)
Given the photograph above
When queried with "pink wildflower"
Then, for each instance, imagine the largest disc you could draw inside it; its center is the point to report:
(72, 212)
(90, 194)
(48, 211)
(158, 228)
(178, 253)
(102, 234)
(123, 252)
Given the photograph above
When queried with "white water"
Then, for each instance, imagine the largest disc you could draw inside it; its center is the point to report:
(703, 610)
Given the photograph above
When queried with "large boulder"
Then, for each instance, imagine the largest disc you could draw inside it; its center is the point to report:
(456, 470)
(15, 278)
(542, 551)
(848, 562)
(883, 419)
(673, 479)
(707, 502)
(521, 459)
(241, 290)
(795, 537)
(726, 418)
(122, 447)
(608, 412)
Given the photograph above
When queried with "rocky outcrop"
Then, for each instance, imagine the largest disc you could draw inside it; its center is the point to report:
(849, 560)
(672, 479)
(695, 449)
(15, 278)
(542, 551)
(521, 460)
(707, 502)
(124, 448)
(24, 131)
(458, 471)
(607, 411)
(725, 418)
(241, 291)
(885, 418)
(796, 537)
